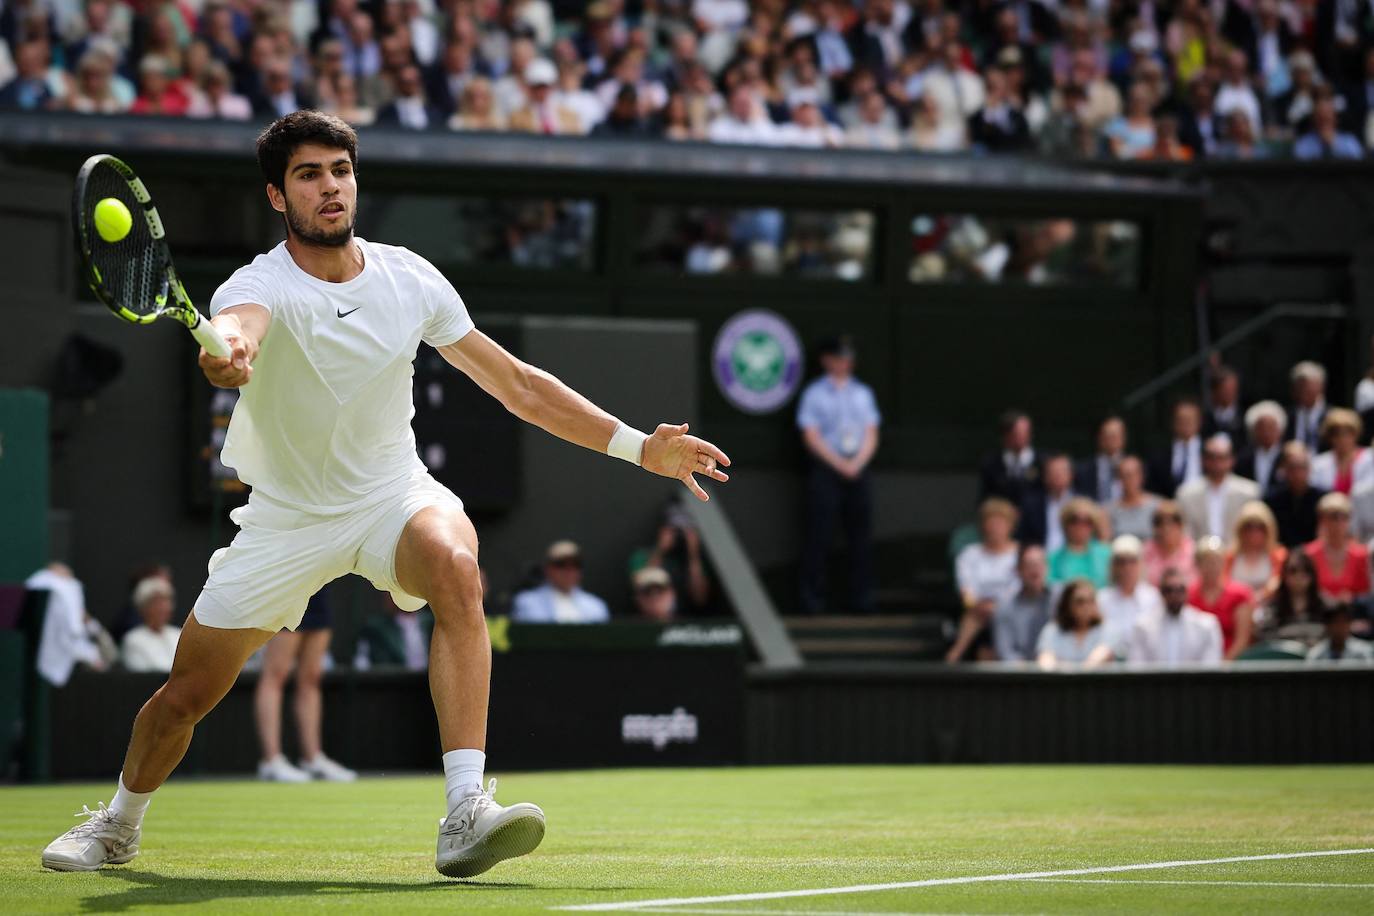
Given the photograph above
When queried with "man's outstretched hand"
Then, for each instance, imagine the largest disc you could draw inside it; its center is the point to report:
(670, 452)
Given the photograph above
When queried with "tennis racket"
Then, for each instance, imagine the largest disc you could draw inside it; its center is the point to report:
(133, 276)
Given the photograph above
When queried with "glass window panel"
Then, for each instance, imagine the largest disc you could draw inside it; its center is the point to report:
(971, 248)
(533, 232)
(755, 241)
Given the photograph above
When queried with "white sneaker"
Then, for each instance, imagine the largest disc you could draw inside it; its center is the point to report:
(102, 840)
(330, 770)
(279, 769)
(478, 833)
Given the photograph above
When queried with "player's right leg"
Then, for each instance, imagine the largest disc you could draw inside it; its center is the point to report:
(208, 661)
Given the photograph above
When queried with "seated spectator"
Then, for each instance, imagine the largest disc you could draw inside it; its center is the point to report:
(1235, 92)
(409, 109)
(876, 127)
(624, 120)
(1169, 545)
(1240, 140)
(808, 127)
(1347, 465)
(541, 113)
(1293, 500)
(217, 98)
(1083, 556)
(157, 94)
(29, 90)
(1181, 635)
(152, 645)
(1294, 612)
(1211, 503)
(1232, 603)
(95, 90)
(1362, 512)
(393, 638)
(932, 132)
(985, 572)
(1264, 424)
(1168, 147)
(1132, 135)
(1096, 477)
(655, 598)
(1042, 507)
(1019, 619)
(477, 108)
(1223, 414)
(1014, 468)
(561, 598)
(1339, 645)
(999, 126)
(677, 551)
(1255, 557)
(1342, 563)
(1309, 404)
(744, 121)
(1076, 635)
(1133, 512)
(1181, 462)
(348, 104)
(1129, 597)
(1325, 140)
(279, 95)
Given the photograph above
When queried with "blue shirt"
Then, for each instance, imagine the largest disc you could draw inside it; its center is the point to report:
(542, 605)
(1343, 146)
(842, 413)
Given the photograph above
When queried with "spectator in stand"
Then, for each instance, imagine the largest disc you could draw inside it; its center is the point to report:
(1265, 423)
(348, 105)
(1042, 507)
(1180, 635)
(1014, 468)
(808, 128)
(1129, 597)
(1255, 557)
(744, 122)
(876, 127)
(1096, 477)
(1083, 556)
(409, 109)
(1133, 511)
(1240, 140)
(395, 639)
(1076, 635)
(1232, 603)
(838, 417)
(95, 91)
(1236, 92)
(1342, 563)
(585, 104)
(1325, 140)
(1223, 414)
(157, 94)
(985, 572)
(1020, 618)
(1347, 465)
(561, 598)
(1339, 645)
(540, 114)
(1169, 546)
(29, 90)
(1199, 128)
(1293, 108)
(1359, 102)
(999, 126)
(217, 98)
(477, 109)
(1309, 404)
(1293, 499)
(655, 598)
(1132, 135)
(677, 551)
(151, 645)
(1294, 612)
(956, 92)
(280, 96)
(932, 132)
(1211, 503)
(1181, 462)
(1168, 146)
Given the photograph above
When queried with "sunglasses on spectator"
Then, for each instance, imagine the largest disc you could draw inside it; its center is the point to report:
(1171, 589)
(1296, 571)
(567, 563)
(1084, 599)
(651, 589)
(1165, 519)
(1215, 455)
(1079, 519)
(1335, 513)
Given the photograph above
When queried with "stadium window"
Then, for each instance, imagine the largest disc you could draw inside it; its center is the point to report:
(755, 241)
(978, 248)
(539, 233)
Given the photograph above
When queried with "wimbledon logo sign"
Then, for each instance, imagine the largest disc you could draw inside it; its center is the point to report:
(757, 361)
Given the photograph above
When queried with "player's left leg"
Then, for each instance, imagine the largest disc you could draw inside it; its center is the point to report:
(436, 559)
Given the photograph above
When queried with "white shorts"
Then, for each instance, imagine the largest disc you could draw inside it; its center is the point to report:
(283, 556)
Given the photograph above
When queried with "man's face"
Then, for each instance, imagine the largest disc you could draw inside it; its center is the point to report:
(321, 195)
(1111, 438)
(1306, 391)
(837, 364)
(408, 82)
(1058, 475)
(156, 612)
(1019, 436)
(564, 574)
(1226, 391)
(1217, 460)
(1298, 473)
(1033, 569)
(1131, 474)
(1126, 571)
(656, 602)
(1187, 421)
(1267, 432)
(1174, 592)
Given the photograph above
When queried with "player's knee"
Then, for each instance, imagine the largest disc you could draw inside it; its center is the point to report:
(182, 704)
(458, 587)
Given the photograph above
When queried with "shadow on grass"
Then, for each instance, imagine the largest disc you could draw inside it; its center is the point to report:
(150, 889)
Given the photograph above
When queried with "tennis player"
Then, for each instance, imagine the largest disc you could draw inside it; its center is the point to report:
(324, 329)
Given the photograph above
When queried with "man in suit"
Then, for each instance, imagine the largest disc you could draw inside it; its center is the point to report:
(1260, 460)
(1041, 506)
(1014, 469)
(1211, 503)
(1309, 404)
(1223, 413)
(1293, 500)
(410, 109)
(561, 598)
(1181, 462)
(1095, 477)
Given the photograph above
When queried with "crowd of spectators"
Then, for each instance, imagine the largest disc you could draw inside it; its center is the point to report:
(1248, 535)
(1174, 80)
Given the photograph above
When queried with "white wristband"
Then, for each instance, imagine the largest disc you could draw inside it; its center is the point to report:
(627, 444)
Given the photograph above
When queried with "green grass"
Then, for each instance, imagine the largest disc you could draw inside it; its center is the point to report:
(638, 835)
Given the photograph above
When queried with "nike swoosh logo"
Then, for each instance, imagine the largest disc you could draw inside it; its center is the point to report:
(347, 313)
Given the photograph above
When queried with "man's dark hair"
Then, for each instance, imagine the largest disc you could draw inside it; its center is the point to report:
(1010, 418)
(280, 140)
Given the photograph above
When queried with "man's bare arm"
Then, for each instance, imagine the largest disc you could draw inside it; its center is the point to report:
(244, 328)
(537, 397)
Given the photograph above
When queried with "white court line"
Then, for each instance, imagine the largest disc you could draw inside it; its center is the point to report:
(1216, 883)
(791, 912)
(943, 882)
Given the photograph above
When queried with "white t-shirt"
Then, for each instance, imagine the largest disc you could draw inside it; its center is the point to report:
(987, 574)
(325, 422)
(144, 650)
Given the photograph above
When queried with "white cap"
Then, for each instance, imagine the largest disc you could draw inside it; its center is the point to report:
(1126, 545)
(540, 72)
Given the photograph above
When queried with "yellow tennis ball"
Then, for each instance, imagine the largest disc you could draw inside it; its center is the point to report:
(112, 219)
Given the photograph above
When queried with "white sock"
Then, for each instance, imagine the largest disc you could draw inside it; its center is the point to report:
(128, 807)
(462, 774)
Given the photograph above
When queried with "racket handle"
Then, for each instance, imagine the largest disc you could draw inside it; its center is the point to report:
(209, 337)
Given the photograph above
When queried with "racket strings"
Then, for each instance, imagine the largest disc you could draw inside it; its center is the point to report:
(131, 269)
